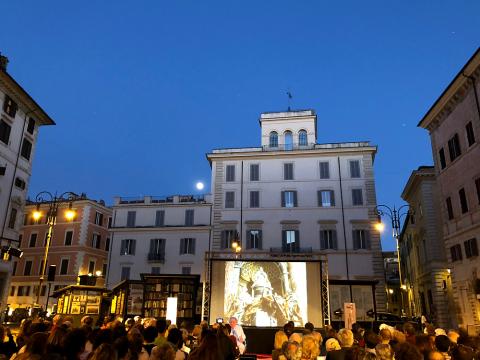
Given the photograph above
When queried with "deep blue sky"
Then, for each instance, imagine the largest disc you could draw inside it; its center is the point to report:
(141, 90)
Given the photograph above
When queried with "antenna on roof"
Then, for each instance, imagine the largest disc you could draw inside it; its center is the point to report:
(289, 94)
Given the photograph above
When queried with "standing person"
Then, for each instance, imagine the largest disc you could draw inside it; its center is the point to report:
(237, 331)
(7, 348)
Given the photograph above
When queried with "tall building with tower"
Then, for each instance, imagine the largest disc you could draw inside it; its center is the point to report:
(294, 199)
(20, 120)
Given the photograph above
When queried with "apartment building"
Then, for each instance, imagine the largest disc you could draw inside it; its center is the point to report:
(78, 247)
(158, 235)
(293, 195)
(425, 271)
(453, 123)
(20, 120)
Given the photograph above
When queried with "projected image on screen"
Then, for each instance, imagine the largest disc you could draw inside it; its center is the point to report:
(266, 293)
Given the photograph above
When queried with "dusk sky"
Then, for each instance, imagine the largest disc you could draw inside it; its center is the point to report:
(141, 90)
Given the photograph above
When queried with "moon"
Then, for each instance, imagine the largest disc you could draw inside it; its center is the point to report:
(199, 185)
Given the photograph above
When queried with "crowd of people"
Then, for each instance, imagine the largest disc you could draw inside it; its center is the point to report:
(402, 342)
(156, 339)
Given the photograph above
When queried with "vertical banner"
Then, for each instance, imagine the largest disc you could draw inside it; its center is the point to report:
(350, 315)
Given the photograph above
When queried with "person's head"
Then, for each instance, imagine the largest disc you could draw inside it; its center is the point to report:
(296, 337)
(87, 321)
(310, 349)
(197, 331)
(104, 352)
(161, 326)
(407, 351)
(37, 344)
(345, 338)
(409, 329)
(280, 338)
(288, 328)
(122, 345)
(57, 320)
(371, 339)
(175, 337)
(317, 336)
(453, 335)
(233, 321)
(332, 344)
(292, 351)
(423, 343)
(57, 335)
(74, 343)
(150, 334)
(399, 336)
(384, 352)
(462, 352)
(385, 336)
(442, 343)
(309, 328)
(163, 352)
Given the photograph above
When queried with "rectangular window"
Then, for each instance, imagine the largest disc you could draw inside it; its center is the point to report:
(33, 240)
(230, 175)
(5, 130)
(91, 267)
(463, 200)
(354, 168)
(448, 202)
(477, 187)
(160, 218)
(454, 147)
(254, 172)
(456, 253)
(289, 199)
(27, 270)
(361, 239)
(96, 241)
(20, 291)
(131, 217)
(12, 291)
(98, 218)
(324, 170)
(155, 270)
(227, 238)
(13, 218)
(229, 200)
(20, 183)
(31, 126)
(357, 197)
(104, 269)
(189, 217)
(127, 247)
(470, 134)
(254, 239)
(288, 171)
(186, 270)
(64, 267)
(290, 241)
(441, 155)
(471, 248)
(26, 149)
(254, 199)
(157, 249)
(187, 246)
(107, 244)
(9, 106)
(125, 273)
(68, 237)
(326, 198)
(328, 239)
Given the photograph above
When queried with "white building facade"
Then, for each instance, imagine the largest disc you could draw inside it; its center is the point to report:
(292, 195)
(153, 235)
(20, 119)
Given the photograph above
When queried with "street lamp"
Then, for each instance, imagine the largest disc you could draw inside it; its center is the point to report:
(236, 245)
(395, 216)
(53, 202)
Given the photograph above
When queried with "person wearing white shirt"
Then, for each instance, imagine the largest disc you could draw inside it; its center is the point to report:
(237, 331)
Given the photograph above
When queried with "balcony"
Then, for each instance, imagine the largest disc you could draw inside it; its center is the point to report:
(156, 257)
(288, 147)
(291, 250)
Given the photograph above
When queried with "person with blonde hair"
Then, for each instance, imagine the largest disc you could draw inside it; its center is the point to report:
(332, 344)
(296, 337)
(385, 336)
(345, 338)
(280, 339)
(104, 352)
(164, 351)
(384, 351)
(310, 348)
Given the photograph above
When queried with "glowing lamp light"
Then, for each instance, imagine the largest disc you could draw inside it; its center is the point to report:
(234, 244)
(98, 273)
(36, 215)
(379, 226)
(90, 274)
(200, 185)
(390, 291)
(70, 214)
(449, 271)
(238, 249)
(172, 309)
(404, 287)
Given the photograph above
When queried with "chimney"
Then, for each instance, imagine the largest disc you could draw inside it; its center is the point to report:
(3, 63)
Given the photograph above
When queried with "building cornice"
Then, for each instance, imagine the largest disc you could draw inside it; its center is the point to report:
(422, 173)
(454, 93)
(160, 229)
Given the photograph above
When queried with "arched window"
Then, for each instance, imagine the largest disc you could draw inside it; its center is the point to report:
(288, 140)
(273, 139)
(302, 138)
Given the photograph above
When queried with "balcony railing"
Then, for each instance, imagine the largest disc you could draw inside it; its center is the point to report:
(292, 250)
(156, 257)
(288, 147)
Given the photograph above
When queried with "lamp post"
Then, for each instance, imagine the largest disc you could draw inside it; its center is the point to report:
(395, 216)
(53, 202)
